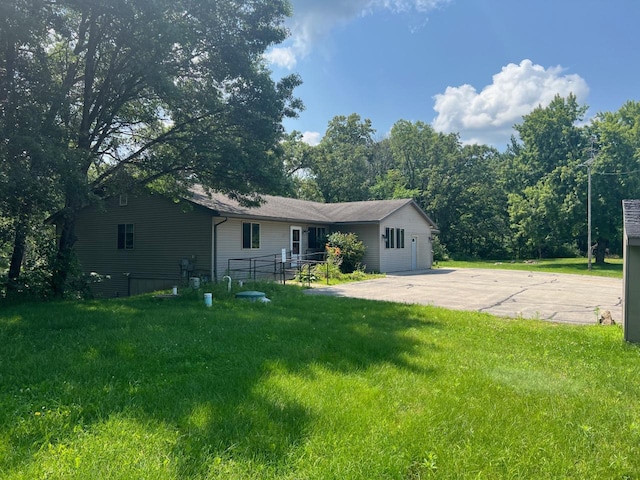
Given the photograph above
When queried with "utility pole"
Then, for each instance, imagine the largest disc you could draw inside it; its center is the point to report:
(588, 164)
(589, 212)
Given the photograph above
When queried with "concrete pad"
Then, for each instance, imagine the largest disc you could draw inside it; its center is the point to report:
(576, 299)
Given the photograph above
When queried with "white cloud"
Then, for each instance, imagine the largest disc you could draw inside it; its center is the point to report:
(313, 20)
(488, 116)
(312, 138)
(282, 56)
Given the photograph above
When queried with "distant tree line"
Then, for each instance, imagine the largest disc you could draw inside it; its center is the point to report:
(529, 201)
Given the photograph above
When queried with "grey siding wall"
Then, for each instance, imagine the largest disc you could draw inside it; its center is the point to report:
(165, 233)
(415, 226)
(631, 299)
(370, 235)
(274, 236)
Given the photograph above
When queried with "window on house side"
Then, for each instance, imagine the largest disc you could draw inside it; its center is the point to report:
(317, 237)
(125, 236)
(394, 237)
(250, 235)
(124, 200)
(400, 237)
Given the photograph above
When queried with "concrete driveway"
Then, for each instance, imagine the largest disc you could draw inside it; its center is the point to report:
(576, 299)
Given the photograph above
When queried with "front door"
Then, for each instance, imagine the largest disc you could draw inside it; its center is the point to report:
(296, 245)
(414, 253)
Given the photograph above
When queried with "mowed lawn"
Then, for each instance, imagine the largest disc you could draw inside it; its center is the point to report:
(580, 266)
(309, 387)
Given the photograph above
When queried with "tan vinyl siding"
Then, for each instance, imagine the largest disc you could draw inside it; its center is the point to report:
(414, 224)
(164, 234)
(371, 237)
(274, 236)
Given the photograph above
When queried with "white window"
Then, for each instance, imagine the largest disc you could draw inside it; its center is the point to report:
(393, 237)
(250, 235)
(125, 236)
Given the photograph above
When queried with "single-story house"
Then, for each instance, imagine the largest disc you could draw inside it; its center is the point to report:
(147, 242)
(631, 271)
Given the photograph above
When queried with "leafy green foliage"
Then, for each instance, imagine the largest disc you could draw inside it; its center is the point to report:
(530, 200)
(341, 165)
(29, 169)
(329, 272)
(440, 252)
(346, 250)
(127, 93)
(546, 191)
(615, 173)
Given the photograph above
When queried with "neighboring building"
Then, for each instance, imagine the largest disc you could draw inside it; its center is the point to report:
(148, 242)
(631, 271)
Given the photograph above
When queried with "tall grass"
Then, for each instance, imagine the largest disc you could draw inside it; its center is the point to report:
(309, 387)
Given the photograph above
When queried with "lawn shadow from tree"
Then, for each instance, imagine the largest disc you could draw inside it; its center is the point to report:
(200, 371)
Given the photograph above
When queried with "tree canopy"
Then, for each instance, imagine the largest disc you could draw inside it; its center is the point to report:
(528, 201)
(129, 93)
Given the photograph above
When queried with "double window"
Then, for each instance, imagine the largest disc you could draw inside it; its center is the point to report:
(250, 235)
(317, 238)
(125, 236)
(393, 237)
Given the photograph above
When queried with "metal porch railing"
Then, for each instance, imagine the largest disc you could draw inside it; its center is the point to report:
(276, 268)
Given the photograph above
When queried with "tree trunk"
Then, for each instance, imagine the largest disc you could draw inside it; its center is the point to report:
(62, 265)
(601, 249)
(17, 256)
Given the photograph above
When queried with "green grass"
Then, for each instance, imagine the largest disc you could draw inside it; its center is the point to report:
(309, 387)
(579, 266)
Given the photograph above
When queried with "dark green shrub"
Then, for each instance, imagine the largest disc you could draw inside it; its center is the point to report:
(349, 250)
(440, 252)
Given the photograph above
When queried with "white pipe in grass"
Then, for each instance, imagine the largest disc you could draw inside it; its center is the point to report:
(228, 282)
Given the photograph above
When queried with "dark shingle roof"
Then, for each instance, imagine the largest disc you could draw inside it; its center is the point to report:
(292, 209)
(276, 208)
(631, 214)
(363, 212)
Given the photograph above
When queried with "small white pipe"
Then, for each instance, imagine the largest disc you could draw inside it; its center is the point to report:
(228, 283)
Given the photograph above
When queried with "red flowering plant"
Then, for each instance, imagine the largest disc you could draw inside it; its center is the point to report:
(346, 251)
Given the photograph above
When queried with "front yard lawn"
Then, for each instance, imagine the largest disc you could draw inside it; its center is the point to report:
(309, 387)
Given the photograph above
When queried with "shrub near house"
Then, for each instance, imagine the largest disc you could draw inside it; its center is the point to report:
(348, 249)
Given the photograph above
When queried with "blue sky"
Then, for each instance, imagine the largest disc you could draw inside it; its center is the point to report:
(472, 67)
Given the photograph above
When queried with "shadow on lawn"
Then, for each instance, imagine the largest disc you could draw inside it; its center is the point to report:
(204, 372)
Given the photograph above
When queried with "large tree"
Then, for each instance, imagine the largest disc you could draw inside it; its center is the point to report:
(543, 180)
(298, 159)
(458, 185)
(142, 90)
(342, 161)
(616, 173)
(27, 161)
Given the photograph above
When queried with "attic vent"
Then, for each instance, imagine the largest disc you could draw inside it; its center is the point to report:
(124, 200)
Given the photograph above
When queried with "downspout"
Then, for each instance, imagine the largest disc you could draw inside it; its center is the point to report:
(215, 248)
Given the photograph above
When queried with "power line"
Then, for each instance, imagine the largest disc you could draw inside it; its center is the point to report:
(616, 173)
